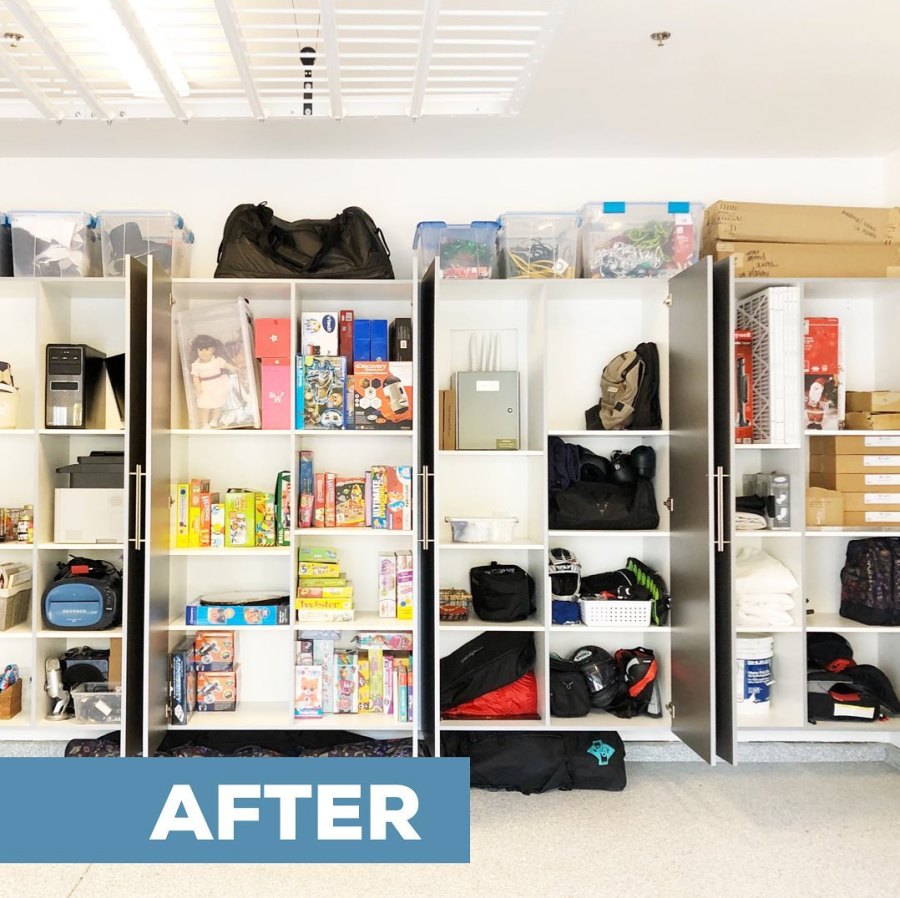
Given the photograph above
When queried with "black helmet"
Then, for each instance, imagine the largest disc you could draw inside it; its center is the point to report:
(565, 575)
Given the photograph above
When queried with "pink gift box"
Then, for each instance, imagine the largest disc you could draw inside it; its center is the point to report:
(276, 394)
(272, 338)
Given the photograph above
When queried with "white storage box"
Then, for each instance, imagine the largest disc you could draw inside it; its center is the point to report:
(538, 244)
(482, 530)
(89, 516)
(613, 613)
(162, 235)
(97, 703)
(54, 244)
(631, 240)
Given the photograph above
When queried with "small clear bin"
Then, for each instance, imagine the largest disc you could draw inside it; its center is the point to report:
(467, 251)
(538, 244)
(6, 262)
(482, 530)
(97, 703)
(632, 240)
(54, 244)
(162, 235)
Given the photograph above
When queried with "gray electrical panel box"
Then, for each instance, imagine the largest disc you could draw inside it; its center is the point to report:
(487, 409)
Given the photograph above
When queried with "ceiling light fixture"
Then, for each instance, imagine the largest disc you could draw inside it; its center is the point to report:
(660, 37)
(114, 39)
(13, 38)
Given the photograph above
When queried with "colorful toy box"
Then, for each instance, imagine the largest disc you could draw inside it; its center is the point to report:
(324, 379)
(217, 690)
(214, 649)
(276, 394)
(382, 396)
(272, 338)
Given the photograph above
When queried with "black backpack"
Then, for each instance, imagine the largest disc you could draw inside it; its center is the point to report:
(629, 397)
(870, 581)
(256, 244)
(569, 695)
(502, 592)
(638, 671)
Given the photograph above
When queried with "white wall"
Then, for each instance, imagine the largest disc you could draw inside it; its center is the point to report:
(400, 192)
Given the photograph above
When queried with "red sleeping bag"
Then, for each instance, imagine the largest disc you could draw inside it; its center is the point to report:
(516, 700)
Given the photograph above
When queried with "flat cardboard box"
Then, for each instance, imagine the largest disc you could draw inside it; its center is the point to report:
(824, 508)
(871, 501)
(115, 661)
(854, 445)
(876, 519)
(807, 260)
(854, 464)
(857, 483)
(779, 223)
(870, 421)
(448, 419)
(876, 401)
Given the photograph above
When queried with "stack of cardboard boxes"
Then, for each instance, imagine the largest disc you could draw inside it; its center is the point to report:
(854, 481)
(768, 240)
(873, 410)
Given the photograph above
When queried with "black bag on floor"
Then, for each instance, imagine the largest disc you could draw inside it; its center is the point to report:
(489, 661)
(569, 695)
(540, 762)
(501, 592)
(870, 581)
(256, 244)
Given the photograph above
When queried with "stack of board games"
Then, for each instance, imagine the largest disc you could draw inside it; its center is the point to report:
(323, 593)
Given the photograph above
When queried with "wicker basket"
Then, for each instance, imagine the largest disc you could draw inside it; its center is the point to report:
(613, 613)
(14, 605)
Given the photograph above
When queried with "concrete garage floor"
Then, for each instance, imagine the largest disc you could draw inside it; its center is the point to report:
(679, 829)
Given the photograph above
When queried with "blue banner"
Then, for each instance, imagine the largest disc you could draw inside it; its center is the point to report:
(236, 810)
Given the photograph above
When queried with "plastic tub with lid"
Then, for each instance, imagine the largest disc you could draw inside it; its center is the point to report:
(140, 234)
(538, 244)
(54, 244)
(467, 251)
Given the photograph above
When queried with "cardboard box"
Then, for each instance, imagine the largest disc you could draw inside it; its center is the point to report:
(240, 518)
(871, 501)
(237, 615)
(319, 334)
(382, 395)
(387, 584)
(182, 683)
(265, 519)
(308, 699)
(276, 394)
(115, 661)
(876, 401)
(345, 337)
(448, 419)
(857, 483)
(324, 401)
(855, 445)
(743, 380)
(214, 650)
(870, 421)
(854, 464)
(778, 223)
(350, 502)
(217, 526)
(217, 690)
(876, 519)
(272, 338)
(823, 374)
(182, 510)
(802, 260)
(824, 508)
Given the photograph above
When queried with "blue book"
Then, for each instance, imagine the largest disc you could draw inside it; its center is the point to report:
(362, 340)
(299, 403)
(378, 340)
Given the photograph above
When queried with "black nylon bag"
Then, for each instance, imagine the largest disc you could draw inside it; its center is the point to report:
(586, 505)
(596, 760)
(501, 592)
(569, 695)
(485, 663)
(870, 581)
(256, 244)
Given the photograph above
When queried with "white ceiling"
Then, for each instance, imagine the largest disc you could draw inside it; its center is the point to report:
(761, 78)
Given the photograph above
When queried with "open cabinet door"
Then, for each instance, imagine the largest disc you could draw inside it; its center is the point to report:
(157, 537)
(723, 450)
(696, 492)
(136, 464)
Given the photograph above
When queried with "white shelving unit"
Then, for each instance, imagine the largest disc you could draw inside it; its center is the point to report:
(557, 335)
(266, 655)
(869, 314)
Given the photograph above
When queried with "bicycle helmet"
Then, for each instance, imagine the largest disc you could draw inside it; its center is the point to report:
(565, 575)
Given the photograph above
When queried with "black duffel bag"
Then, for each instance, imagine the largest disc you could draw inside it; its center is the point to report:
(605, 506)
(485, 663)
(501, 592)
(256, 244)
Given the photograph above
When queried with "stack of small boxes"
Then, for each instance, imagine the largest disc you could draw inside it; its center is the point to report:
(203, 675)
(873, 410)
(272, 340)
(323, 593)
(854, 481)
(395, 585)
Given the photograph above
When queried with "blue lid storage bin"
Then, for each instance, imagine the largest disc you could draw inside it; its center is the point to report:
(6, 263)
(538, 244)
(141, 234)
(54, 244)
(629, 240)
(467, 251)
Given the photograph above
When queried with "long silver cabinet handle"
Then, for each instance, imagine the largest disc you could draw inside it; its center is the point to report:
(719, 477)
(138, 538)
(426, 508)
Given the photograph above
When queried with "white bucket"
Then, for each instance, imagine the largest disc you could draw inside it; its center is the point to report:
(754, 669)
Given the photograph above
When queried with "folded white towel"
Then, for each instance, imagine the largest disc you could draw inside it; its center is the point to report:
(763, 619)
(756, 571)
(778, 601)
(747, 520)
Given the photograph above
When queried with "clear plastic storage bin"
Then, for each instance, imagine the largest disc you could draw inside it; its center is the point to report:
(467, 251)
(140, 234)
(97, 703)
(6, 262)
(482, 530)
(54, 244)
(538, 244)
(629, 240)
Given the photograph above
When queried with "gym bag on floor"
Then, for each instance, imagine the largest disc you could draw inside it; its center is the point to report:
(501, 592)
(485, 663)
(870, 581)
(540, 762)
(256, 244)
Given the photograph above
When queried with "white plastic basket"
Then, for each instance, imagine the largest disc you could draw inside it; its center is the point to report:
(603, 613)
